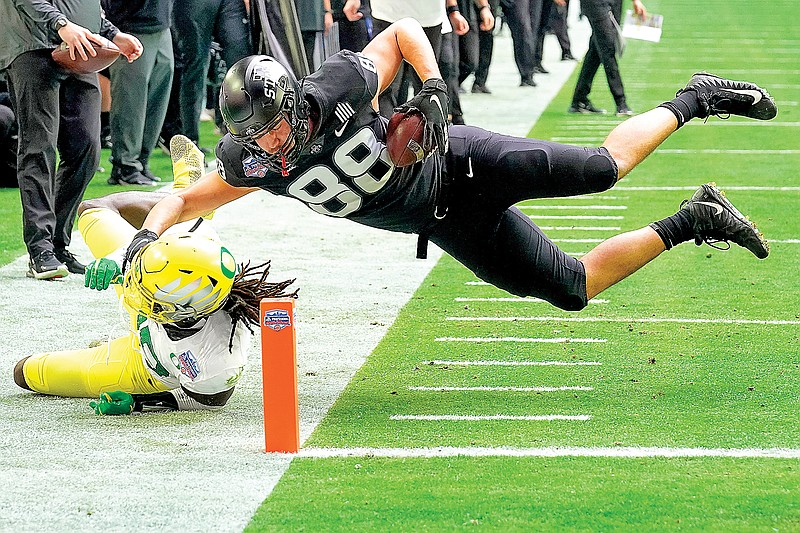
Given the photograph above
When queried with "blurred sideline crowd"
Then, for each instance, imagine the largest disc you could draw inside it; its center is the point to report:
(53, 123)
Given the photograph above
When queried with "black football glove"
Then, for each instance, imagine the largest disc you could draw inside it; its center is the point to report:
(433, 103)
(140, 240)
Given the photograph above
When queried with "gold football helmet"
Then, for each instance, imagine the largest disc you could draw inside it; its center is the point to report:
(178, 277)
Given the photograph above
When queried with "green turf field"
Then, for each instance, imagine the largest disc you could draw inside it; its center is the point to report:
(451, 420)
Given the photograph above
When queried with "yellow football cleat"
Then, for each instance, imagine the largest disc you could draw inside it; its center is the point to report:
(188, 164)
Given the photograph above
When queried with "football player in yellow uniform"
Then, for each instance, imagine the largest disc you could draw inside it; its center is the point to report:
(185, 294)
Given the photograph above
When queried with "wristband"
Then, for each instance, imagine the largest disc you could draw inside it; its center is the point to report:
(451, 9)
(487, 6)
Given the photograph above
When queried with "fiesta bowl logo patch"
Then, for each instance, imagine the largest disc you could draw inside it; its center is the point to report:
(189, 367)
(253, 168)
(277, 319)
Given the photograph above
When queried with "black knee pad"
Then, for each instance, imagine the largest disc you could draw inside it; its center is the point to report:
(600, 171)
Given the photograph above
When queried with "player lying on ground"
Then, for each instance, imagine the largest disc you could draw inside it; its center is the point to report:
(192, 312)
(321, 141)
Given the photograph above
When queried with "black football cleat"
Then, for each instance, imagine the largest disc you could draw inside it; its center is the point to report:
(717, 220)
(585, 107)
(721, 97)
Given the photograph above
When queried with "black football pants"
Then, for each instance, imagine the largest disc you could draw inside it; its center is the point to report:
(55, 109)
(488, 173)
(602, 49)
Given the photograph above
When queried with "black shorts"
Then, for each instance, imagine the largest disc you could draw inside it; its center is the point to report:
(487, 174)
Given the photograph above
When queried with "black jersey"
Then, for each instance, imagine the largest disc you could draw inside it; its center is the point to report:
(345, 170)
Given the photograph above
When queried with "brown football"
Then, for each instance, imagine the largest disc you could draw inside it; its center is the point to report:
(404, 136)
(106, 55)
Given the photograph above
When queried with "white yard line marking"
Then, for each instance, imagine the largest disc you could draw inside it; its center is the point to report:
(580, 228)
(719, 151)
(559, 451)
(484, 362)
(501, 389)
(553, 340)
(623, 320)
(577, 139)
(784, 241)
(477, 418)
(579, 240)
(576, 206)
(578, 217)
(517, 300)
(605, 126)
(694, 188)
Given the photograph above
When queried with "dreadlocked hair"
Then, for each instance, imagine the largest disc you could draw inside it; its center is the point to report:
(249, 287)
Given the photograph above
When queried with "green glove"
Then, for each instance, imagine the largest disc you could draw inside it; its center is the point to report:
(101, 273)
(113, 403)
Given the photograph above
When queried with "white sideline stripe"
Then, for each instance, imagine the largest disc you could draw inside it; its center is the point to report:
(518, 300)
(589, 196)
(694, 188)
(553, 451)
(718, 151)
(598, 207)
(578, 217)
(635, 320)
(577, 139)
(604, 125)
(743, 72)
(553, 340)
(500, 389)
(484, 362)
(580, 228)
(476, 418)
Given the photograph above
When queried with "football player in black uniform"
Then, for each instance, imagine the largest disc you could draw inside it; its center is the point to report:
(320, 140)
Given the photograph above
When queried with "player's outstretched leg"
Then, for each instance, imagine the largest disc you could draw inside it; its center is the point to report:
(706, 217)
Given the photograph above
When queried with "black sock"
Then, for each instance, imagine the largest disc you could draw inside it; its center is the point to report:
(675, 229)
(685, 107)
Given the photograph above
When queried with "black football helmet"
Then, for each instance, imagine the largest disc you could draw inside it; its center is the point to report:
(256, 94)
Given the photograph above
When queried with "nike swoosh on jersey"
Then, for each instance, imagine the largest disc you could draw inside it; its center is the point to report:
(717, 207)
(755, 95)
(338, 132)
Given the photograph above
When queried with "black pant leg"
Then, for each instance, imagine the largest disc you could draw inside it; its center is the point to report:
(34, 83)
(485, 49)
(79, 149)
(603, 49)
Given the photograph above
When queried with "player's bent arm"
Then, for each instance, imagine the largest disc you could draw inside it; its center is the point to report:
(405, 39)
(180, 399)
(207, 194)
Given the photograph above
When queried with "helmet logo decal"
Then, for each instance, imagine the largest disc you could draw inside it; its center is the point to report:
(227, 262)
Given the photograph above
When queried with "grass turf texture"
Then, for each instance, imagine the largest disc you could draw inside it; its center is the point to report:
(662, 384)
(11, 242)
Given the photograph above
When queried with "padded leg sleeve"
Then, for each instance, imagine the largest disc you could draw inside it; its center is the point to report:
(88, 372)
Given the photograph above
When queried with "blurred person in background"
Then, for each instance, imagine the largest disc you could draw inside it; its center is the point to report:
(604, 18)
(140, 90)
(56, 110)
